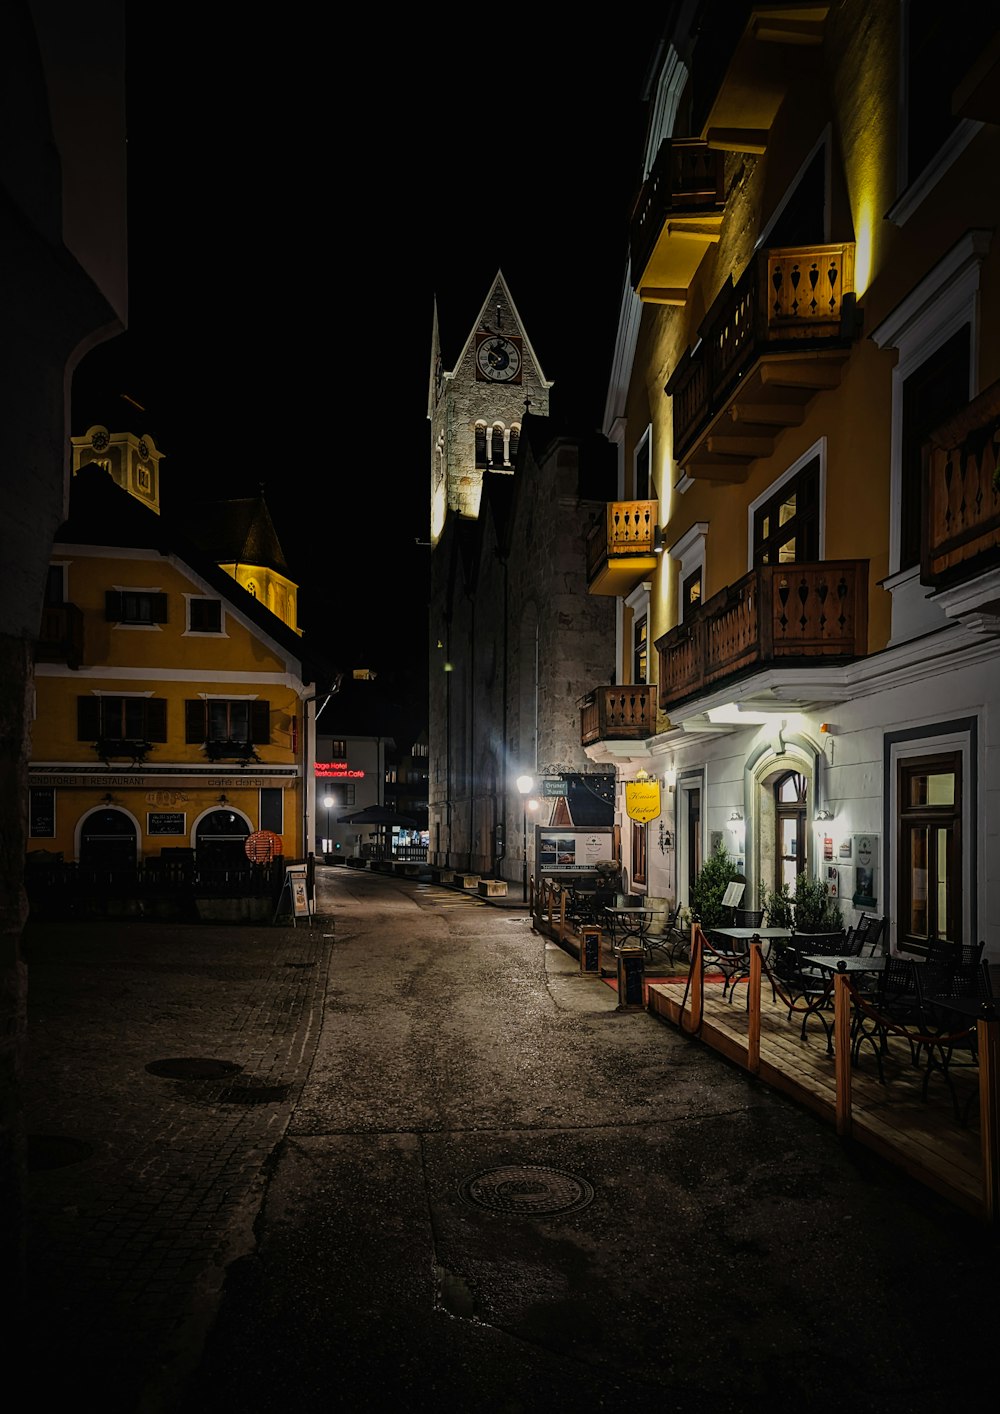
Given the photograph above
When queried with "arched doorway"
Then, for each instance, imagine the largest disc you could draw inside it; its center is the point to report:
(220, 840)
(109, 838)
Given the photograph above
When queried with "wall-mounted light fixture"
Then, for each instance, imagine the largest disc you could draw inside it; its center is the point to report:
(736, 818)
(658, 540)
(223, 799)
(670, 778)
(107, 799)
(824, 814)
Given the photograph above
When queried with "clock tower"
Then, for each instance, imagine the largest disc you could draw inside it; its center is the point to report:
(477, 408)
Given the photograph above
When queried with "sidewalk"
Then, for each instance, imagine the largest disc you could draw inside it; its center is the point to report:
(163, 1064)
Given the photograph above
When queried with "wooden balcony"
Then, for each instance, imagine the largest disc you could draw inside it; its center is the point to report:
(961, 527)
(770, 343)
(622, 549)
(626, 713)
(60, 635)
(775, 616)
(677, 216)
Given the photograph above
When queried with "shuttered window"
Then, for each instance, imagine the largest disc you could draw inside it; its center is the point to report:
(135, 606)
(121, 719)
(220, 719)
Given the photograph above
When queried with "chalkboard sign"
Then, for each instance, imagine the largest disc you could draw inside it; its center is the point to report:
(590, 951)
(166, 823)
(631, 971)
(42, 809)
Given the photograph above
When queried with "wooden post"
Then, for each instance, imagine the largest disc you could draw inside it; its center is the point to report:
(842, 1052)
(696, 976)
(988, 1042)
(753, 999)
(561, 922)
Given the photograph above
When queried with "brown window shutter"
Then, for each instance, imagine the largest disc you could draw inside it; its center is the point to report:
(88, 718)
(195, 720)
(156, 719)
(113, 607)
(260, 723)
(158, 608)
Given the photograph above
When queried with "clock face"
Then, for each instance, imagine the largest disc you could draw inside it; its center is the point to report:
(498, 359)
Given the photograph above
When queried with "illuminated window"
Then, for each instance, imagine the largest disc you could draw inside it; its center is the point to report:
(929, 903)
(786, 525)
(638, 852)
(640, 650)
(691, 592)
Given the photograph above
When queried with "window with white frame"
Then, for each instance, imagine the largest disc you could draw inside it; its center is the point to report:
(204, 614)
(688, 553)
(638, 602)
(941, 313)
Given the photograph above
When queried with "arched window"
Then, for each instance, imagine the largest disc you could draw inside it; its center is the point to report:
(791, 855)
(480, 444)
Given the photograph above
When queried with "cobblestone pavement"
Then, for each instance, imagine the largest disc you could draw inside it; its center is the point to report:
(144, 1186)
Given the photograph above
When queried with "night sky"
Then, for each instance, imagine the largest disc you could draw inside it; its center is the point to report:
(294, 209)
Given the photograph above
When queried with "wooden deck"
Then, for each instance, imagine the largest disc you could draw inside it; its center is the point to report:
(922, 1137)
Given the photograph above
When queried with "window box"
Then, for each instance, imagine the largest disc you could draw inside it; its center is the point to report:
(113, 748)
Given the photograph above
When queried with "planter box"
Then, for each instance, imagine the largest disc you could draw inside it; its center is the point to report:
(493, 888)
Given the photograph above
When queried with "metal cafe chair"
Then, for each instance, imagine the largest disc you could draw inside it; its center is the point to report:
(893, 1006)
(953, 1000)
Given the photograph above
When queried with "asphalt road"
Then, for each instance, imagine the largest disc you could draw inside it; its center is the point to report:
(451, 1174)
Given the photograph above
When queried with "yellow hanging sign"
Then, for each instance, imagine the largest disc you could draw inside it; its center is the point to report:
(642, 800)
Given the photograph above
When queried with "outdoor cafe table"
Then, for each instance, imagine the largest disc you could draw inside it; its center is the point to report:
(631, 923)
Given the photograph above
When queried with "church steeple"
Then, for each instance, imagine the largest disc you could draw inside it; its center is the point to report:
(476, 410)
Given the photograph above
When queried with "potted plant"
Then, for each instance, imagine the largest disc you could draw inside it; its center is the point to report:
(717, 873)
(815, 910)
(779, 907)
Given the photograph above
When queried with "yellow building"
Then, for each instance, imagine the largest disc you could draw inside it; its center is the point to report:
(175, 713)
(806, 401)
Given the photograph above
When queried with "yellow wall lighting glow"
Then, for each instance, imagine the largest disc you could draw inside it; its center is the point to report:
(863, 252)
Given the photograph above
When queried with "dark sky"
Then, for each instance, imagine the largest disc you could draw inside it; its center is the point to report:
(296, 202)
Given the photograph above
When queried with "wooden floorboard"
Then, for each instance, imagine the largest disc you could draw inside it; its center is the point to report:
(892, 1119)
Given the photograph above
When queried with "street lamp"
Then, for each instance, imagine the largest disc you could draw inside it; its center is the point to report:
(525, 785)
(328, 801)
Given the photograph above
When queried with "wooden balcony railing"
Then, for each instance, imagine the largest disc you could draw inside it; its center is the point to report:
(962, 481)
(789, 301)
(775, 615)
(628, 535)
(60, 636)
(626, 713)
(685, 181)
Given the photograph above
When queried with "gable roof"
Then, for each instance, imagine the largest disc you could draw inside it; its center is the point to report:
(101, 513)
(484, 317)
(238, 530)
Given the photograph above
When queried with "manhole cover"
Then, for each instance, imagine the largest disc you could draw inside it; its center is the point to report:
(55, 1151)
(193, 1068)
(253, 1094)
(528, 1189)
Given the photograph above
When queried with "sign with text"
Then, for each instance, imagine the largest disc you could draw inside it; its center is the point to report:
(166, 822)
(563, 850)
(642, 800)
(337, 771)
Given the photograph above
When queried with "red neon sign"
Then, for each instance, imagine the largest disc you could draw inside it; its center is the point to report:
(337, 770)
